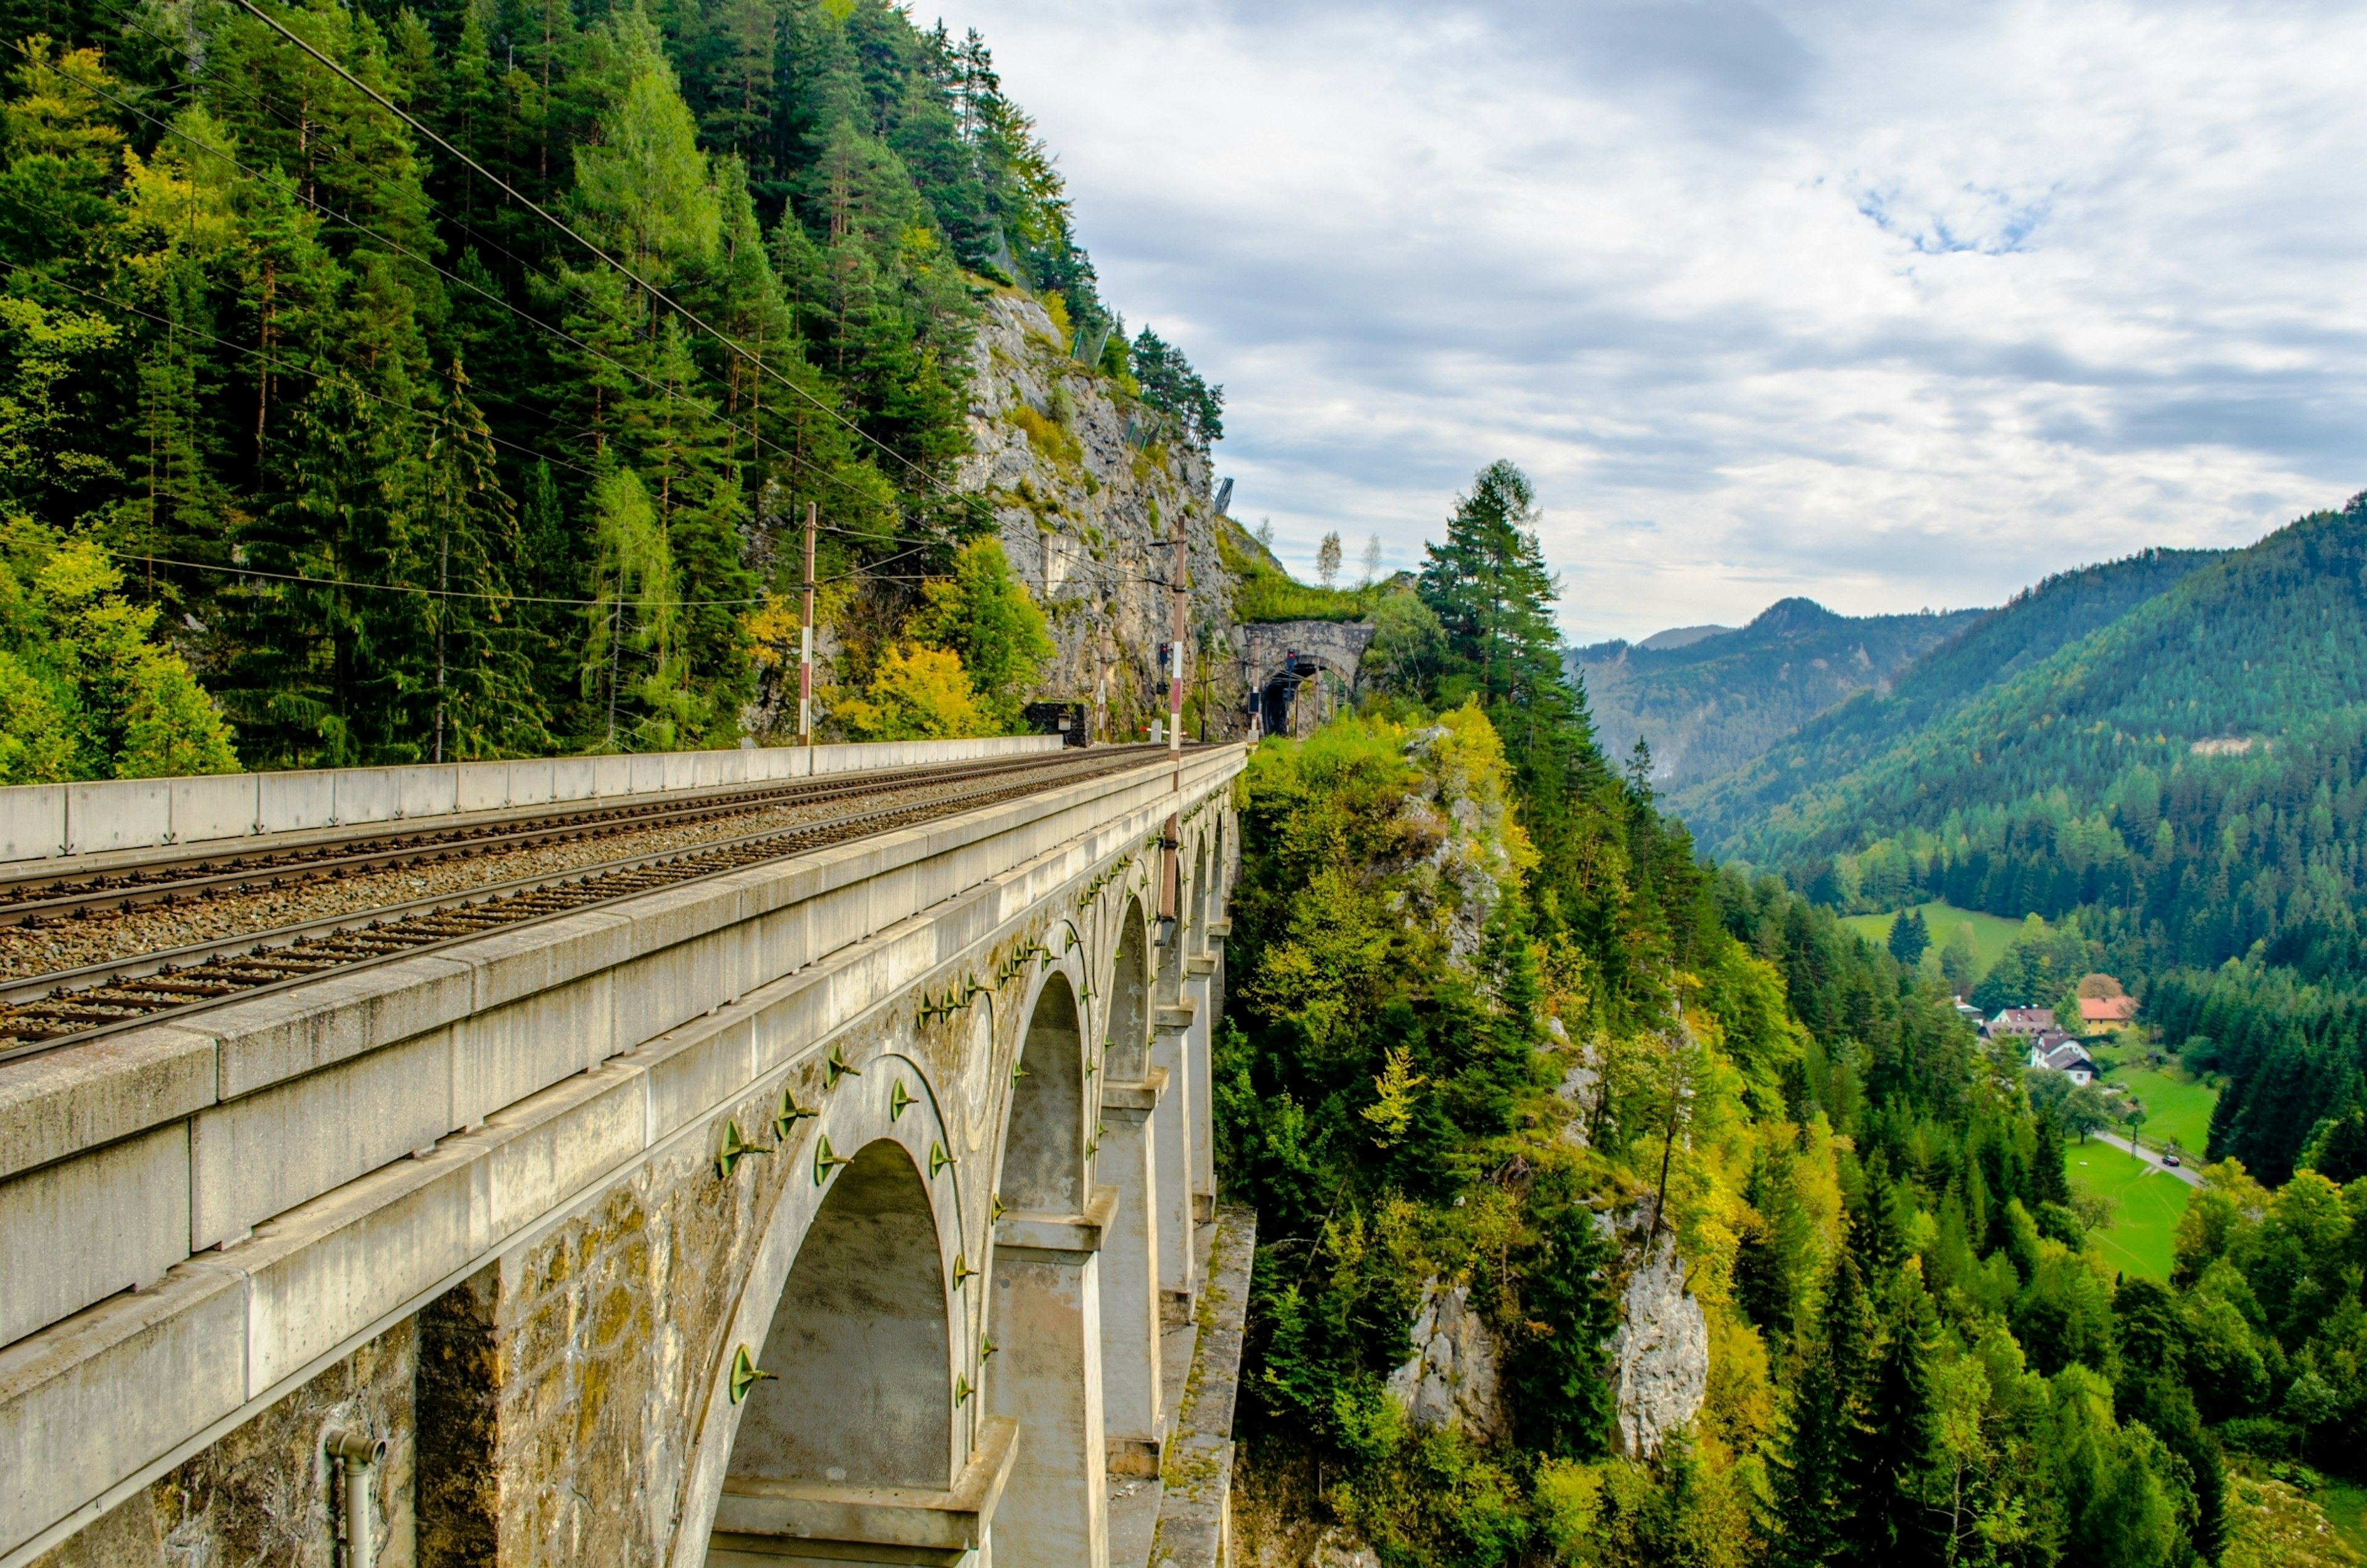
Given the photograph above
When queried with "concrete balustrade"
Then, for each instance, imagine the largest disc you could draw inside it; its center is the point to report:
(43, 821)
(319, 1173)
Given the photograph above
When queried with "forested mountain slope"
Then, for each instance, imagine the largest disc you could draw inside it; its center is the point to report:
(2188, 779)
(400, 468)
(1988, 651)
(1616, 1212)
(1707, 704)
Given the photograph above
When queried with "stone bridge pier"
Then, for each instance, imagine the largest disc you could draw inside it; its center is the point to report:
(853, 1209)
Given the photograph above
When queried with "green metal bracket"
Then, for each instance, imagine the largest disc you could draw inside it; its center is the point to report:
(1018, 1071)
(938, 1158)
(745, 1374)
(995, 1211)
(824, 1160)
(836, 1069)
(986, 1349)
(899, 1098)
(735, 1149)
(961, 1390)
(790, 1114)
(963, 1272)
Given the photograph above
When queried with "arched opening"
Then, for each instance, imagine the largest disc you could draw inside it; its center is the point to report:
(1044, 1303)
(861, 1392)
(1130, 1011)
(1044, 1147)
(1200, 897)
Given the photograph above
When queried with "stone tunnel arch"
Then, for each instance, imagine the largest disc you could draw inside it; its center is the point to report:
(859, 1346)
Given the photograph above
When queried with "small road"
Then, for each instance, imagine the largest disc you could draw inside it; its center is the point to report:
(2183, 1172)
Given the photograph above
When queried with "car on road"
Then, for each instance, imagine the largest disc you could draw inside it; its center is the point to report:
(2170, 1159)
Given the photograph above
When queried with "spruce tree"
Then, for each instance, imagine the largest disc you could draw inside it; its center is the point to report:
(1819, 1482)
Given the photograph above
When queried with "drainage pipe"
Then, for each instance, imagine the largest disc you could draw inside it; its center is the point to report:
(357, 1456)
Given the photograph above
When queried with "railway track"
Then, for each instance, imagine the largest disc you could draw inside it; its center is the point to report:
(38, 898)
(46, 1012)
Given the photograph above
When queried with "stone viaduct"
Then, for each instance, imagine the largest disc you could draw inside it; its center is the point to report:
(858, 1207)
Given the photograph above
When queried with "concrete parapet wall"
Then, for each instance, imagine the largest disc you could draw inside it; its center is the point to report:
(43, 821)
(528, 1071)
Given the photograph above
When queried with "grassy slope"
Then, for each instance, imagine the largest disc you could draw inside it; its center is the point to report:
(2177, 1107)
(2345, 1507)
(2150, 1203)
(1990, 933)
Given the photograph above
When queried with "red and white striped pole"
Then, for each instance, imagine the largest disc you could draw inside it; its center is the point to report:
(804, 641)
(1180, 596)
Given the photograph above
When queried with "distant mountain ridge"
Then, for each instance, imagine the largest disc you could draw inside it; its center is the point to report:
(1708, 699)
(1732, 814)
(2189, 779)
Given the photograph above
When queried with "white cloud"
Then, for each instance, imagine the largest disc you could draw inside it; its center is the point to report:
(1889, 304)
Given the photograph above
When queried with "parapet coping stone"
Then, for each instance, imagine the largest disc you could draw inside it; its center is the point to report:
(206, 1312)
(1195, 1511)
(56, 1105)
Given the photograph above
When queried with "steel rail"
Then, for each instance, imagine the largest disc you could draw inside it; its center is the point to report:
(39, 897)
(262, 963)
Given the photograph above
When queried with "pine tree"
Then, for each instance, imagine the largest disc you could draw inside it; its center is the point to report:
(1819, 1485)
(1908, 937)
(464, 534)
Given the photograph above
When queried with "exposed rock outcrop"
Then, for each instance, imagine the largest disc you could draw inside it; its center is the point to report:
(1085, 498)
(1450, 1382)
(1660, 1355)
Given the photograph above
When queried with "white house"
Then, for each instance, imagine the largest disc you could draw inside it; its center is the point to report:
(2056, 1053)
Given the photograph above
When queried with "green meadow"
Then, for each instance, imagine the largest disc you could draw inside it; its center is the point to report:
(2147, 1204)
(2178, 1108)
(1990, 933)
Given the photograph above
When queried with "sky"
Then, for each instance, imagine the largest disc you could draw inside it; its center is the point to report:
(1892, 304)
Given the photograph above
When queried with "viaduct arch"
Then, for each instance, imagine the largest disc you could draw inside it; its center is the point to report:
(862, 1255)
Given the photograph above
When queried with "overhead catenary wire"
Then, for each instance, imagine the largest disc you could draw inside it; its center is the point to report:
(262, 353)
(795, 460)
(250, 173)
(564, 227)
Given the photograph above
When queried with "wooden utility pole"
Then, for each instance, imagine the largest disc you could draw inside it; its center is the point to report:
(805, 640)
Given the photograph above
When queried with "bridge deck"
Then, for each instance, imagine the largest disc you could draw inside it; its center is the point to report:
(284, 1178)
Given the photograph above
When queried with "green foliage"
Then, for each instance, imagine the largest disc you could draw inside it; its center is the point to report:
(87, 688)
(916, 693)
(1449, 913)
(1262, 591)
(1909, 938)
(358, 416)
(986, 616)
(1170, 386)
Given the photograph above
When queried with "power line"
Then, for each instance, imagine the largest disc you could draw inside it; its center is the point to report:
(423, 593)
(262, 354)
(262, 101)
(251, 173)
(543, 213)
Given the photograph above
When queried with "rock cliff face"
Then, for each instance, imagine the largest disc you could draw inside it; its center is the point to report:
(1660, 1354)
(1450, 1382)
(1086, 498)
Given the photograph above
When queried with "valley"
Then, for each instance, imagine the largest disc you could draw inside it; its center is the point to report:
(1594, 1057)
